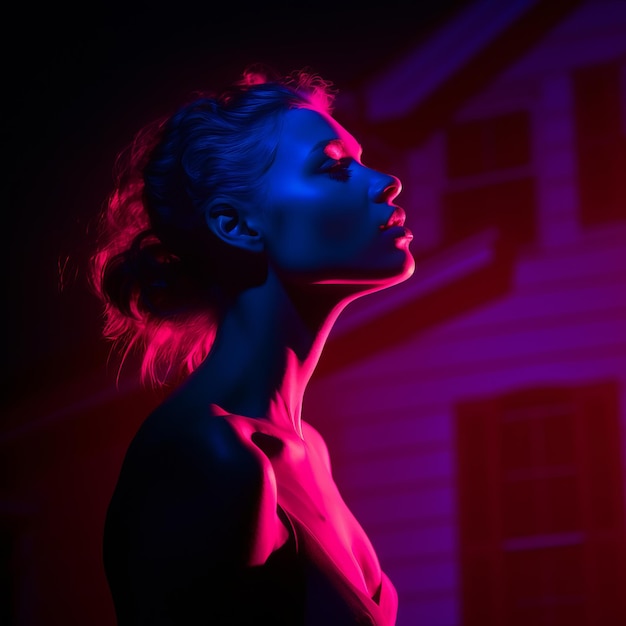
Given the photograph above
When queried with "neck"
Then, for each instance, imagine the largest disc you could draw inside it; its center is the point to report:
(266, 350)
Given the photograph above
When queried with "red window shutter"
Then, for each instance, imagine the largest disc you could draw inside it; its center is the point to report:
(601, 142)
(541, 508)
(478, 474)
(603, 495)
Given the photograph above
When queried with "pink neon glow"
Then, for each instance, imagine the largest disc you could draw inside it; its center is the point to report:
(165, 341)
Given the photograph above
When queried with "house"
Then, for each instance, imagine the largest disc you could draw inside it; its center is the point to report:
(477, 413)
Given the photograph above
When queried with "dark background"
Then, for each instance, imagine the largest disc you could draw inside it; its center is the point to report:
(80, 80)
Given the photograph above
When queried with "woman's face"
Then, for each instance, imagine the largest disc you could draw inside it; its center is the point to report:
(328, 218)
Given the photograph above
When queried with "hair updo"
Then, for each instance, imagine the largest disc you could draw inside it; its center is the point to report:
(157, 265)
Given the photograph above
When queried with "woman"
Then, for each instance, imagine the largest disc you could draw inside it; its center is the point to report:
(238, 230)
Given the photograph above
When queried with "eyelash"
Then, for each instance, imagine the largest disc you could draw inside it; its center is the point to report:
(340, 170)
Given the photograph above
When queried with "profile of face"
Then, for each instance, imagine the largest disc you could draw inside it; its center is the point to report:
(326, 217)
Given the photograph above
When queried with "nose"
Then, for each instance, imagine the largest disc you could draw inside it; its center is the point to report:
(384, 188)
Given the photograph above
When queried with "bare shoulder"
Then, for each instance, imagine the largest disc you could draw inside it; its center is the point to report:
(195, 490)
(205, 447)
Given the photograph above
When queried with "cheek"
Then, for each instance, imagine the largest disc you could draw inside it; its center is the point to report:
(316, 216)
(334, 227)
(314, 240)
(317, 225)
(334, 233)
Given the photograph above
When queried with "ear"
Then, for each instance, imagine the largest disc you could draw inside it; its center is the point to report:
(233, 225)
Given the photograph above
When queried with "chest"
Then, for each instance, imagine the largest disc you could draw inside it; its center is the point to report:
(306, 491)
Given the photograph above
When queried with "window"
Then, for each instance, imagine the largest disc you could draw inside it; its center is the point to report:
(601, 143)
(542, 534)
(489, 182)
(507, 205)
(483, 146)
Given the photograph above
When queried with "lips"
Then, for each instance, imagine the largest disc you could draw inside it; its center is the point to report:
(397, 218)
(395, 228)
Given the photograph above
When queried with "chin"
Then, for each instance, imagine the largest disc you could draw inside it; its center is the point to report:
(400, 271)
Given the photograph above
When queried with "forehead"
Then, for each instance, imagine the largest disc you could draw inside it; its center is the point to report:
(305, 130)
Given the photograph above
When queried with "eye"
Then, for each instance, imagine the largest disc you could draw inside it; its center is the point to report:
(339, 169)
